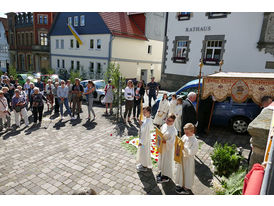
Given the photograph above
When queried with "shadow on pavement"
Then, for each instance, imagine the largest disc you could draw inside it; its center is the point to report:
(60, 124)
(90, 124)
(149, 182)
(169, 187)
(203, 172)
(75, 122)
(32, 129)
(13, 133)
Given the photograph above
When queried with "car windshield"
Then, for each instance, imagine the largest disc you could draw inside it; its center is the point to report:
(100, 84)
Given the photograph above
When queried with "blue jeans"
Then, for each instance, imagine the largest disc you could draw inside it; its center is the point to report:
(66, 105)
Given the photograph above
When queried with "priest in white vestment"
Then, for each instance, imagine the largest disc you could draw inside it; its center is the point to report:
(185, 172)
(165, 160)
(143, 152)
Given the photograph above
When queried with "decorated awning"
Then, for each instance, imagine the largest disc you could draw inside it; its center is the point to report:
(239, 86)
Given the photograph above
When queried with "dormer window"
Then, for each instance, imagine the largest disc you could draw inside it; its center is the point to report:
(184, 16)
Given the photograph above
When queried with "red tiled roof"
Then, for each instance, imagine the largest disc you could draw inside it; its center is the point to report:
(4, 22)
(120, 24)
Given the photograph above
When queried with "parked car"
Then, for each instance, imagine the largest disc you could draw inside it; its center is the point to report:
(100, 89)
(226, 113)
(22, 78)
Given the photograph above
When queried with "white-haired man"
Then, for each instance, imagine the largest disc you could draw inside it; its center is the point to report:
(189, 111)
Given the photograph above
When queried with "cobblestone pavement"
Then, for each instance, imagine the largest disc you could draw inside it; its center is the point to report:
(62, 157)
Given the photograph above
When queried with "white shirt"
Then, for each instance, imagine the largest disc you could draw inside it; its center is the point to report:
(129, 93)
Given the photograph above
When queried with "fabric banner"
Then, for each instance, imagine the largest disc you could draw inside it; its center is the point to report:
(159, 138)
(75, 34)
(178, 152)
(238, 87)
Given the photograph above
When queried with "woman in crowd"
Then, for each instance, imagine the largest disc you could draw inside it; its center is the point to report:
(27, 90)
(56, 102)
(19, 107)
(162, 111)
(77, 91)
(89, 92)
(31, 91)
(139, 95)
(129, 96)
(49, 93)
(109, 96)
(37, 105)
(69, 85)
(4, 112)
(173, 104)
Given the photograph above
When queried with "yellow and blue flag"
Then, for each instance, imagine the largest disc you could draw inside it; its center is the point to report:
(75, 34)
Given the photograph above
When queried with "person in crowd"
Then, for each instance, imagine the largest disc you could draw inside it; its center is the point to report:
(178, 114)
(40, 85)
(166, 158)
(56, 102)
(49, 93)
(89, 92)
(69, 85)
(11, 88)
(153, 89)
(12, 81)
(31, 91)
(172, 104)
(143, 153)
(16, 84)
(162, 112)
(22, 92)
(189, 111)
(129, 96)
(77, 91)
(4, 112)
(139, 95)
(27, 90)
(62, 93)
(4, 76)
(266, 101)
(185, 172)
(5, 83)
(205, 106)
(56, 80)
(7, 96)
(19, 107)
(37, 105)
(109, 97)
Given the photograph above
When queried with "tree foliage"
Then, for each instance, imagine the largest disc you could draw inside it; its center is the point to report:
(12, 71)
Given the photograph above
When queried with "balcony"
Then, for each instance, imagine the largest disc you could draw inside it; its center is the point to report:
(40, 48)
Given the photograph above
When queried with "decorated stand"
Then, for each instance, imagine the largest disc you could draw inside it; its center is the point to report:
(238, 86)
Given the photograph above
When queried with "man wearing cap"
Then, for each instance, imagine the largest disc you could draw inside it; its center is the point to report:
(152, 87)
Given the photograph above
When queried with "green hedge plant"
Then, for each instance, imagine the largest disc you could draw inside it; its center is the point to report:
(226, 159)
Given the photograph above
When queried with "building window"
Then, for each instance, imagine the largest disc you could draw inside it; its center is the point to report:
(57, 44)
(98, 43)
(27, 38)
(27, 19)
(77, 44)
(45, 19)
(82, 20)
(213, 49)
(70, 20)
(216, 15)
(71, 43)
(40, 19)
(91, 67)
(181, 49)
(149, 49)
(62, 43)
(63, 63)
(184, 16)
(91, 44)
(31, 19)
(31, 38)
(58, 63)
(22, 18)
(44, 40)
(76, 20)
(23, 39)
(78, 65)
(99, 68)
(72, 64)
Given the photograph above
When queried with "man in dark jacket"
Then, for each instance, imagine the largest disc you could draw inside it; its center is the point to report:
(189, 111)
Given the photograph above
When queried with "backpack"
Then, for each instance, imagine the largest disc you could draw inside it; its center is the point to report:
(95, 94)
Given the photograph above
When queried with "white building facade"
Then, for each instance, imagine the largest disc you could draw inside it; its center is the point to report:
(4, 49)
(213, 36)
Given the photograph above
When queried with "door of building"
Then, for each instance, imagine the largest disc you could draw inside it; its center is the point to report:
(144, 75)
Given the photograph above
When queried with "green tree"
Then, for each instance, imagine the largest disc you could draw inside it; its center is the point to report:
(47, 71)
(73, 75)
(12, 71)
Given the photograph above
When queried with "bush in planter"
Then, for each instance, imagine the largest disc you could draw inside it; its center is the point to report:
(225, 159)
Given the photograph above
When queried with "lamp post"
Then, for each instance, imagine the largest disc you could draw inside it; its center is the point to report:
(199, 86)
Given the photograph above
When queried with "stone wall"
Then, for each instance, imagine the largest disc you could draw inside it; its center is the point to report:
(259, 130)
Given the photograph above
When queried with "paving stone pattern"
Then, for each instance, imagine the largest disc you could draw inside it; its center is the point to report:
(62, 157)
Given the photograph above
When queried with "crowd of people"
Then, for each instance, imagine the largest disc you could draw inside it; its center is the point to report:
(18, 99)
